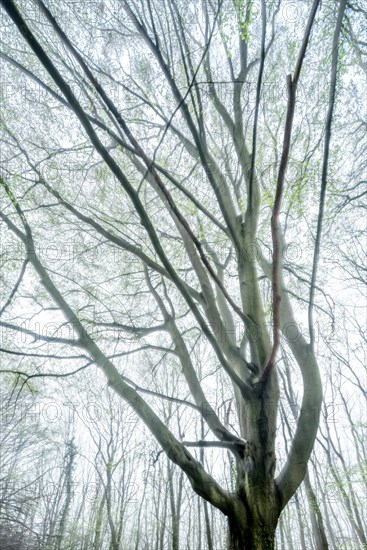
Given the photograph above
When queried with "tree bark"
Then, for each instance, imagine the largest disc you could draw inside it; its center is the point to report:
(254, 536)
(254, 517)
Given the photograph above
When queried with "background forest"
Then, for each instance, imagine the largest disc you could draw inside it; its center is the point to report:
(183, 280)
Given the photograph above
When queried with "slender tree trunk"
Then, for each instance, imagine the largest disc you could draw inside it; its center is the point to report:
(98, 525)
(70, 457)
(300, 523)
(317, 524)
(208, 530)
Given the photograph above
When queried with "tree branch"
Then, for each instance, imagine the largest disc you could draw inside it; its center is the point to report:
(292, 88)
(325, 164)
(16, 286)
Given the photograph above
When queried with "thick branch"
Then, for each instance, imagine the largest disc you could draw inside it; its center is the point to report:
(293, 472)
(292, 88)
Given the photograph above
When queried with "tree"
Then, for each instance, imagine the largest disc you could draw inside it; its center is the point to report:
(148, 149)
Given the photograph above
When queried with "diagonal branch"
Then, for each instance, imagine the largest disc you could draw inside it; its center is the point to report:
(16, 286)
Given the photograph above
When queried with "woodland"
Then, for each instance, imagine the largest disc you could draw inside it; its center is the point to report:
(183, 275)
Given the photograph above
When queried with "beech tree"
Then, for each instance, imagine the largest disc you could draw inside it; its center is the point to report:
(151, 184)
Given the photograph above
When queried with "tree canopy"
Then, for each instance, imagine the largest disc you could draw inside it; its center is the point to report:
(182, 212)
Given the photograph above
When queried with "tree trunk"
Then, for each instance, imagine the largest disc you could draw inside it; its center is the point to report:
(254, 517)
(254, 537)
